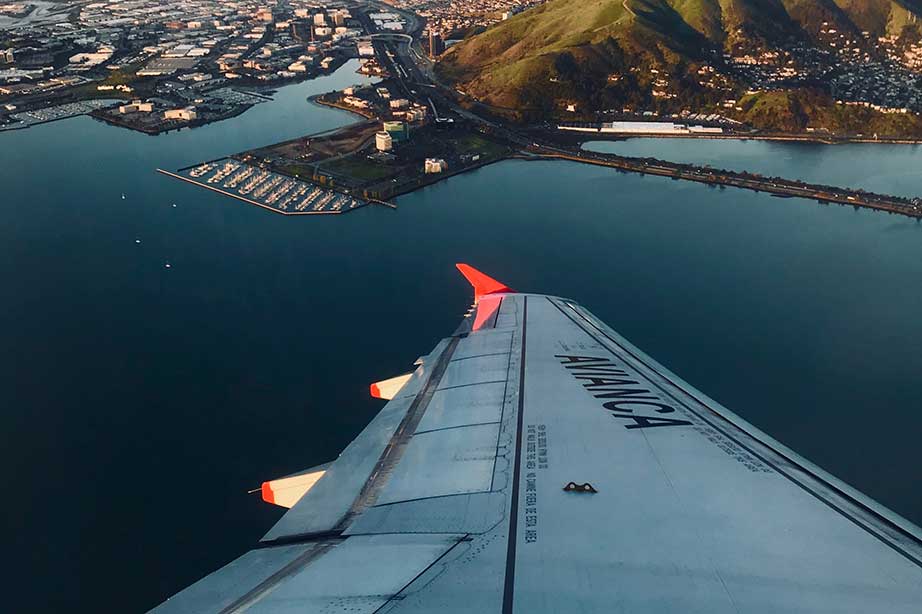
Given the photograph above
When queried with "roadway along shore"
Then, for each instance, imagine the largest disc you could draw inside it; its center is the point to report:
(796, 137)
(911, 207)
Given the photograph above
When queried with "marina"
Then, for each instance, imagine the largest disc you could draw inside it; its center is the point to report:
(267, 189)
(55, 113)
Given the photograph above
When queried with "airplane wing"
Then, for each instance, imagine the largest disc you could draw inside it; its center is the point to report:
(535, 461)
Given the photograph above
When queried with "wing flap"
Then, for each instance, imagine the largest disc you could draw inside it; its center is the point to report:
(331, 499)
(480, 370)
(220, 590)
(454, 407)
(463, 514)
(359, 575)
(444, 462)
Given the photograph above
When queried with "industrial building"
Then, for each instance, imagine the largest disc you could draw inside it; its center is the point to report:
(436, 44)
(655, 128)
(435, 165)
(187, 114)
(136, 106)
(86, 61)
(383, 141)
(416, 114)
(398, 130)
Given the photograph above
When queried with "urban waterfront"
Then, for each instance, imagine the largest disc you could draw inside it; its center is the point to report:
(142, 402)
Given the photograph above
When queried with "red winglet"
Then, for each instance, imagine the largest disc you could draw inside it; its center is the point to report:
(483, 284)
(375, 391)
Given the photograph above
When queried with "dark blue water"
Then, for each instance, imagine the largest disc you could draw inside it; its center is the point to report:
(140, 403)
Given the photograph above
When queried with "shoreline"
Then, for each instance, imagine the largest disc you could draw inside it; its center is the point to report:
(22, 125)
(779, 187)
(188, 126)
(257, 91)
(856, 198)
(316, 99)
(449, 174)
(776, 187)
(586, 137)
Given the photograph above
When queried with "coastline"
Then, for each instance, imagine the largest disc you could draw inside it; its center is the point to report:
(187, 126)
(585, 137)
(452, 173)
(721, 178)
(318, 100)
(262, 92)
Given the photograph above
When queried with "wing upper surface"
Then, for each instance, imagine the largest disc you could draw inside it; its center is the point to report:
(692, 513)
(459, 484)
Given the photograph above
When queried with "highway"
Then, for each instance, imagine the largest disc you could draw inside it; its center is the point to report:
(911, 207)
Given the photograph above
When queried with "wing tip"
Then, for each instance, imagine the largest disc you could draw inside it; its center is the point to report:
(483, 284)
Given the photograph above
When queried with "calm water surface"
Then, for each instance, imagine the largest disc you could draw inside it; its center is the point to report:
(140, 403)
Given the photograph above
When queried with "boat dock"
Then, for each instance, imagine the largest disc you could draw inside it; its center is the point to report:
(264, 188)
(25, 119)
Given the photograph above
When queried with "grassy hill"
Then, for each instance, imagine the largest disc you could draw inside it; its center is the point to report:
(571, 42)
(607, 53)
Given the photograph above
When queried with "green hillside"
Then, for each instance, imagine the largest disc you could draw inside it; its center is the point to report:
(602, 54)
(880, 17)
(566, 47)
